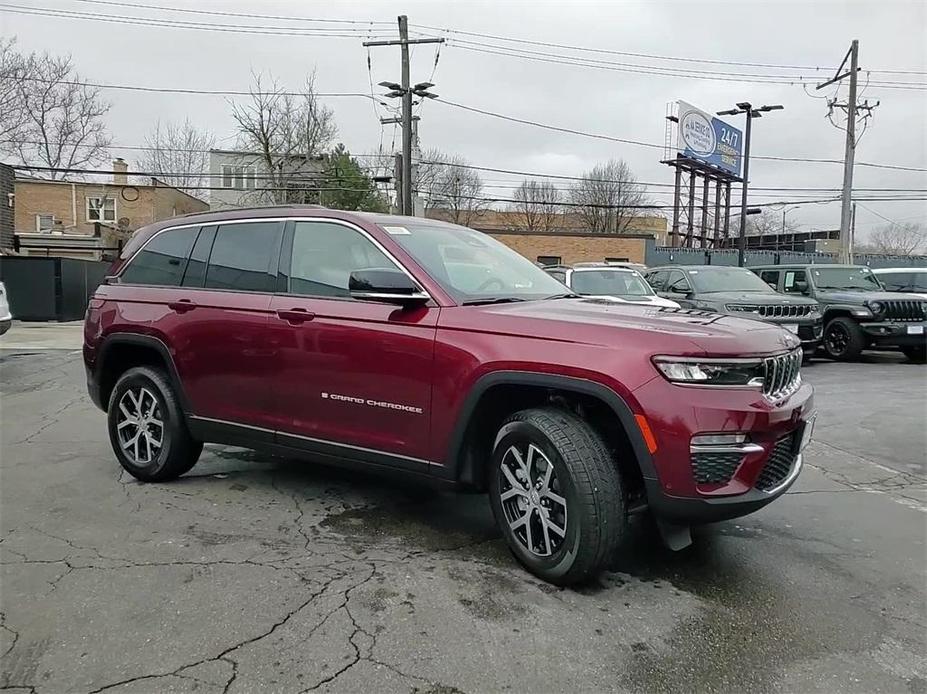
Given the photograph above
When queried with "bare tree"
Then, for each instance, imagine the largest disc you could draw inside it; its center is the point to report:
(609, 198)
(536, 206)
(179, 155)
(899, 239)
(446, 182)
(13, 71)
(289, 134)
(53, 119)
(769, 221)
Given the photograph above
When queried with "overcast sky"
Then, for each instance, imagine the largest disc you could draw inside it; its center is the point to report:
(892, 34)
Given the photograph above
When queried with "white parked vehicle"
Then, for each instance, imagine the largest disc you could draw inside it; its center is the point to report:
(910, 280)
(6, 318)
(609, 281)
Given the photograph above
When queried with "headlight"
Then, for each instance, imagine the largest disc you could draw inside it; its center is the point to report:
(876, 307)
(711, 372)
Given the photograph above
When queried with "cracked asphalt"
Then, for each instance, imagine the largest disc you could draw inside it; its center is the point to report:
(254, 573)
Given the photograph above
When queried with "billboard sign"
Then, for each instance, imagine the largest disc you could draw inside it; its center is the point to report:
(708, 139)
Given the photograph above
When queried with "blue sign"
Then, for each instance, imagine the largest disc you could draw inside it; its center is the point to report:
(708, 139)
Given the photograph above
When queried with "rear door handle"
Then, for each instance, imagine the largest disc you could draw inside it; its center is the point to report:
(295, 316)
(181, 306)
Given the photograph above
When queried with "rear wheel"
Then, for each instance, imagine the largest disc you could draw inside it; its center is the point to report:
(843, 339)
(917, 354)
(556, 495)
(147, 429)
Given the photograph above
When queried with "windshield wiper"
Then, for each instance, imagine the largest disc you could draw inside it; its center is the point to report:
(570, 295)
(492, 300)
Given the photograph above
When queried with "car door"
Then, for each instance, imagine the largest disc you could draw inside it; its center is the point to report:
(220, 318)
(353, 376)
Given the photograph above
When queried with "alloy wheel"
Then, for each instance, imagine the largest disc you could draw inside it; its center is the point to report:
(837, 339)
(532, 499)
(139, 426)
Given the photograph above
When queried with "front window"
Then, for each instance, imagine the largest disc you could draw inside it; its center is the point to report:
(851, 278)
(726, 279)
(474, 267)
(609, 283)
(101, 209)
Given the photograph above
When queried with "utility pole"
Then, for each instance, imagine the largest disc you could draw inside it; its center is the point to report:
(747, 108)
(852, 235)
(405, 90)
(851, 107)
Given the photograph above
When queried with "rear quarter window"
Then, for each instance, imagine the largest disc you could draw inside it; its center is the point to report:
(162, 260)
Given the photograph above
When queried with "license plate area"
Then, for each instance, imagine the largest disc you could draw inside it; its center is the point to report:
(915, 330)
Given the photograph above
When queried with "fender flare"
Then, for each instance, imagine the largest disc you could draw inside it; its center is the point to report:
(149, 341)
(544, 380)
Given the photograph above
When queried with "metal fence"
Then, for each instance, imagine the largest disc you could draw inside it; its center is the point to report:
(50, 289)
(668, 255)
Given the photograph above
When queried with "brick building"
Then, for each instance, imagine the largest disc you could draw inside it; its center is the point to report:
(6, 207)
(81, 216)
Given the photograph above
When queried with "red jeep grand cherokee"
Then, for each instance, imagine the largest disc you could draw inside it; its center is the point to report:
(420, 346)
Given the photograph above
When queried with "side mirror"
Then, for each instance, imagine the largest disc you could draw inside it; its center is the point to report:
(801, 287)
(385, 284)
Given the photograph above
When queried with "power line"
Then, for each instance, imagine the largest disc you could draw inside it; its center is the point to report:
(217, 13)
(651, 56)
(332, 32)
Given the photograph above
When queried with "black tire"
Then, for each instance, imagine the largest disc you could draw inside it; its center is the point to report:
(178, 451)
(843, 339)
(917, 353)
(586, 477)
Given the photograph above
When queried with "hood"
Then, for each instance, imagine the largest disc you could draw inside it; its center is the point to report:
(611, 323)
(842, 296)
(759, 298)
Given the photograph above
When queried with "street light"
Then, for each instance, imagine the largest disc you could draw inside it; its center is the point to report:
(785, 211)
(747, 108)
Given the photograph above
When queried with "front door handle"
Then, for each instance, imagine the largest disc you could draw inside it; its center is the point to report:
(181, 306)
(295, 316)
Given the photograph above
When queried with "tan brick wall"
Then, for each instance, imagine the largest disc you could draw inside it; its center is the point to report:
(576, 249)
(59, 198)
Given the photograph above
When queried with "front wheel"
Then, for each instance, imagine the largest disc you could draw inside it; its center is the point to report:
(556, 495)
(843, 339)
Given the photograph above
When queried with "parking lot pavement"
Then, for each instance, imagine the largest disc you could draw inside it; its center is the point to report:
(257, 573)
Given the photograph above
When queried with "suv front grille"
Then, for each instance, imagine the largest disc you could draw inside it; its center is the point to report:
(715, 468)
(783, 375)
(778, 465)
(774, 310)
(904, 310)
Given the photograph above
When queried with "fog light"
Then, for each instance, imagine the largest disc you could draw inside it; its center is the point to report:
(718, 439)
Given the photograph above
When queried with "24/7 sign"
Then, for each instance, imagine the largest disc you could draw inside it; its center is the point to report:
(708, 139)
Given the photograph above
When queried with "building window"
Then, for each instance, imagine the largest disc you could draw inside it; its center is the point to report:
(44, 223)
(101, 209)
(549, 259)
(617, 260)
(238, 177)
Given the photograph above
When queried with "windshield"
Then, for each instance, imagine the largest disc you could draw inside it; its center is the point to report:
(845, 278)
(472, 266)
(726, 279)
(609, 283)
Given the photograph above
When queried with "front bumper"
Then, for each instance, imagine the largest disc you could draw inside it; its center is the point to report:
(674, 494)
(895, 334)
(808, 331)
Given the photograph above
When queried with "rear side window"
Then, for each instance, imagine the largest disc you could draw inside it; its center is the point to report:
(244, 257)
(162, 260)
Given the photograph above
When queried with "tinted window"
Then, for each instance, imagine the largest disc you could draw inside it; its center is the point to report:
(897, 281)
(244, 257)
(161, 261)
(325, 255)
(558, 275)
(676, 282)
(770, 277)
(726, 279)
(657, 279)
(196, 267)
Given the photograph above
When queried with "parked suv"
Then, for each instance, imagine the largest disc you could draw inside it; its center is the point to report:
(735, 290)
(910, 280)
(357, 339)
(607, 281)
(858, 312)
